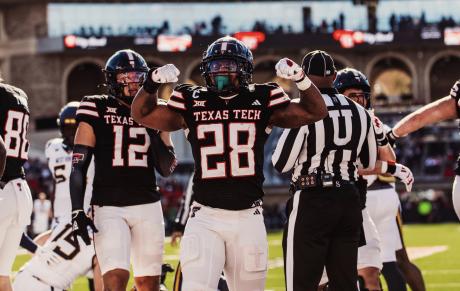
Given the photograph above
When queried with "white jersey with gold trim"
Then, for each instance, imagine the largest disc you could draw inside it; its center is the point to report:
(76, 258)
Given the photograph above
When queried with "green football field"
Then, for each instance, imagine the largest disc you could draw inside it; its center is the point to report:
(436, 246)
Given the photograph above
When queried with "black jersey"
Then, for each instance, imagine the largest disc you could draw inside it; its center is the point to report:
(124, 170)
(455, 94)
(227, 138)
(14, 122)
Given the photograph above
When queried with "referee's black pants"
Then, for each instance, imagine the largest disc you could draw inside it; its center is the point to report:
(323, 229)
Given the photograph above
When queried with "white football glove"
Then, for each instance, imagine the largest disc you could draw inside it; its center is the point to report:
(48, 256)
(288, 69)
(166, 74)
(401, 172)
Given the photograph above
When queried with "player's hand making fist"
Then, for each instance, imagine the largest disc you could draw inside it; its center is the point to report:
(165, 74)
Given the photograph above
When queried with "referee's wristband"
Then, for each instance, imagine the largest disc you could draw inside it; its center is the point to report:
(388, 167)
(303, 83)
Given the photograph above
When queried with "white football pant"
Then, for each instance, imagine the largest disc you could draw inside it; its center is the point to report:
(15, 211)
(233, 241)
(130, 230)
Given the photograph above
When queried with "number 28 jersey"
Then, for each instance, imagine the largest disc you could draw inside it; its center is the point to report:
(14, 122)
(124, 172)
(227, 138)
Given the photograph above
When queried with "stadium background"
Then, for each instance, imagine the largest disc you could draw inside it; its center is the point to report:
(410, 50)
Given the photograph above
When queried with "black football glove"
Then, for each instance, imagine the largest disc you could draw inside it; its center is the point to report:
(80, 223)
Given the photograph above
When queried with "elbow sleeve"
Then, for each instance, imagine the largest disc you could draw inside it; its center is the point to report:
(81, 159)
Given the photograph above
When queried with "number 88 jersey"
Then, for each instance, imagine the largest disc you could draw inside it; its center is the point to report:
(14, 122)
(227, 136)
(124, 173)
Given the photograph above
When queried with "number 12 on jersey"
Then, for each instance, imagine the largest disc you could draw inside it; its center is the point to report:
(237, 149)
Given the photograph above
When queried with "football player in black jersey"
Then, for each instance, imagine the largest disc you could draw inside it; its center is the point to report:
(15, 196)
(227, 123)
(126, 202)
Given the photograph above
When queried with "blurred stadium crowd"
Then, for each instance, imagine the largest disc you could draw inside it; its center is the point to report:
(216, 27)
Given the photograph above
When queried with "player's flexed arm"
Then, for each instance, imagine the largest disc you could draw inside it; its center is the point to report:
(311, 106)
(439, 110)
(145, 108)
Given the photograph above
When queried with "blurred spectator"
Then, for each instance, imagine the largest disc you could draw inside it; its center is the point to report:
(42, 214)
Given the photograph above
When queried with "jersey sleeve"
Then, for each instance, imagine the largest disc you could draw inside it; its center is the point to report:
(455, 94)
(177, 102)
(87, 111)
(277, 98)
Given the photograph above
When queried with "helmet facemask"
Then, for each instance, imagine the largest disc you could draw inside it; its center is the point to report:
(223, 76)
(360, 96)
(128, 83)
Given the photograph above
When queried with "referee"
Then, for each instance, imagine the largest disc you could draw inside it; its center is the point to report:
(324, 214)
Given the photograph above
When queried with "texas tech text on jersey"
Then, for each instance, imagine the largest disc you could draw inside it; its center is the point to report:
(227, 136)
(124, 170)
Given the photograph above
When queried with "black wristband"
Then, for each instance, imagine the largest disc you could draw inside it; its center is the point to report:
(28, 243)
(391, 168)
(149, 86)
(382, 142)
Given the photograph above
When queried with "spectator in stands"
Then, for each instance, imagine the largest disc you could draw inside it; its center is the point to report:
(42, 214)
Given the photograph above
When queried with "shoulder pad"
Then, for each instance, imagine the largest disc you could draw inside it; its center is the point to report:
(185, 87)
(12, 90)
(188, 89)
(94, 98)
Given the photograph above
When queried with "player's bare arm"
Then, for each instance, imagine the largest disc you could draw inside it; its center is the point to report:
(2, 156)
(147, 110)
(84, 143)
(440, 110)
(311, 106)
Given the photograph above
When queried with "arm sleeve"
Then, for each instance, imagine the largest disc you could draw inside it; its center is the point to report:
(288, 148)
(87, 111)
(184, 209)
(81, 158)
(164, 158)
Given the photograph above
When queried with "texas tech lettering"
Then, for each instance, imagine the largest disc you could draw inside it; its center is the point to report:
(235, 114)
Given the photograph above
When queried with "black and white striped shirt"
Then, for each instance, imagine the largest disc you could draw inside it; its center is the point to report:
(338, 144)
(184, 208)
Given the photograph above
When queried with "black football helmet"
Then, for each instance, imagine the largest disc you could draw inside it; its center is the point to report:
(67, 122)
(227, 66)
(351, 78)
(125, 69)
